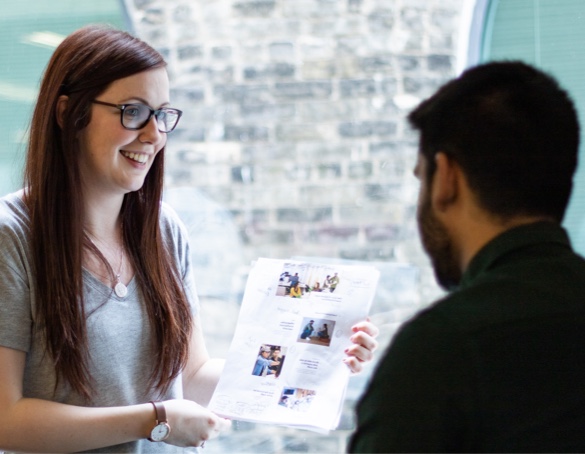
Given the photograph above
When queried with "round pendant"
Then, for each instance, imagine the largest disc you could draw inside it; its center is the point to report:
(121, 290)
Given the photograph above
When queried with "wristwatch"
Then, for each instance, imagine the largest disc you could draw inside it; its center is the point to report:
(162, 430)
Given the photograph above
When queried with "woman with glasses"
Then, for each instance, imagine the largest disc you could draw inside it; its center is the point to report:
(101, 346)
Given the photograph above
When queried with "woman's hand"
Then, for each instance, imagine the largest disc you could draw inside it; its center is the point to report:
(191, 424)
(364, 345)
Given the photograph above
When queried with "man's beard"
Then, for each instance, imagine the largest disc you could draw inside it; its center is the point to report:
(438, 245)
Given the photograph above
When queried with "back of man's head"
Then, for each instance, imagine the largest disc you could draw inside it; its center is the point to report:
(513, 131)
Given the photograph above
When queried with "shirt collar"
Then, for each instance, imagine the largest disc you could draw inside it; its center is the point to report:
(515, 238)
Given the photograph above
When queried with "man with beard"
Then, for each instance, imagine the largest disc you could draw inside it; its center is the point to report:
(498, 364)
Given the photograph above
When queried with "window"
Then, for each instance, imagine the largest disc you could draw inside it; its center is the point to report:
(548, 34)
(293, 142)
(29, 33)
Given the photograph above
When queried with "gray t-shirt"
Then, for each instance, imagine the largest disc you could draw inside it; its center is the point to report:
(118, 330)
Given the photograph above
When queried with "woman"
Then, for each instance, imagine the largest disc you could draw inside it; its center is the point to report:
(100, 341)
(323, 333)
(295, 291)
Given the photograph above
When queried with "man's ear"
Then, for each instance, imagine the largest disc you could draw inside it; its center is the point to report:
(445, 189)
(60, 108)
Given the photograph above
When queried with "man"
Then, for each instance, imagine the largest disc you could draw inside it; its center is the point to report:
(333, 283)
(308, 330)
(263, 362)
(499, 363)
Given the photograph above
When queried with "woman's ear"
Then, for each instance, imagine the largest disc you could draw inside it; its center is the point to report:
(60, 109)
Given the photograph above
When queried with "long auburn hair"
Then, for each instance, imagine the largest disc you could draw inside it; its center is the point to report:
(82, 67)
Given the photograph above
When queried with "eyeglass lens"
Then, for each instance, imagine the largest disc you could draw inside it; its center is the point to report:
(135, 116)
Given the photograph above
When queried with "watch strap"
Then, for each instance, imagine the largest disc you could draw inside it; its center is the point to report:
(161, 422)
(159, 410)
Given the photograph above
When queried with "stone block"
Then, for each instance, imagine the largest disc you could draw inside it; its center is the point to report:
(154, 16)
(413, 19)
(357, 88)
(383, 149)
(193, 94)
(299, 215)
(221, 52)
(267, 72)
(389, 86)
(325, 111)
(250, 217)
(441, 41)
(444, 19)
(367, 129)
(313, 195)
(323, 151)
(440, 63)
(368, 254)
(360, 170)
(308, 9)
(329, 171)
(242, 93)
(267, 152)
(243, 174)
(267, 112)
(269, 236)
(318, 69)
(189, 133)
(408, 63)
(219, 194)
(332, 234)
(381, 21)
(299, 172)
(412, 85)
(382, 192)
(388, 232)
(142, 4)
(282, 51)
(270, 174)
(189, 52)
(354, 6)
(238, 133)
(292, 132)
(303, 90)
(182, 14)
(381, 63)
(261, 8)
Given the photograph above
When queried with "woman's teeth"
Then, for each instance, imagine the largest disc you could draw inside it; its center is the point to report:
(138, 157)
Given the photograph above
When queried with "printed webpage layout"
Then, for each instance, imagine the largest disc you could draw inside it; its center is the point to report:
(285, 363)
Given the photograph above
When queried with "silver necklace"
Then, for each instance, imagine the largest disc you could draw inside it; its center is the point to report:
(119, 288)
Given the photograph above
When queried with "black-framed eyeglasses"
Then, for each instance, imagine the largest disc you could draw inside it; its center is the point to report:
(136, 116)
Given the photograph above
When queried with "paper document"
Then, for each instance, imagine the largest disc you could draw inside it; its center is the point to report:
(285, 364)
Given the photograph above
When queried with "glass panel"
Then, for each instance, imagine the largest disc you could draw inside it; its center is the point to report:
(29, 32)
(548, 34)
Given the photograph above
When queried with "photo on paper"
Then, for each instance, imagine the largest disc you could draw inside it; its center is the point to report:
(297, 399)
(300, 280)
(269, 361)
(292, 282)
(316, 331)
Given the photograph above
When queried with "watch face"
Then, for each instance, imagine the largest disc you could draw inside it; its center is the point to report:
(160, 432)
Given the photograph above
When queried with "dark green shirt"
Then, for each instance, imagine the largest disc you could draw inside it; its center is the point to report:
(496, 366)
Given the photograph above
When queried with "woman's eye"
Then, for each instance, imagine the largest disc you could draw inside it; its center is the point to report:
(132, 111)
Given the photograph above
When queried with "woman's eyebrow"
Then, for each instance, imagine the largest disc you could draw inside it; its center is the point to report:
(144, 101)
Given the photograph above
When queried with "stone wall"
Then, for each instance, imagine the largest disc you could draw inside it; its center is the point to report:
(294, 143)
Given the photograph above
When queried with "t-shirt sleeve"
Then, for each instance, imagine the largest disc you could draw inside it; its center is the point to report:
(15, 306)
(418, 395)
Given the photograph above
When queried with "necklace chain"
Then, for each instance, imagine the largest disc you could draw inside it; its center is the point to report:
(119, 288)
